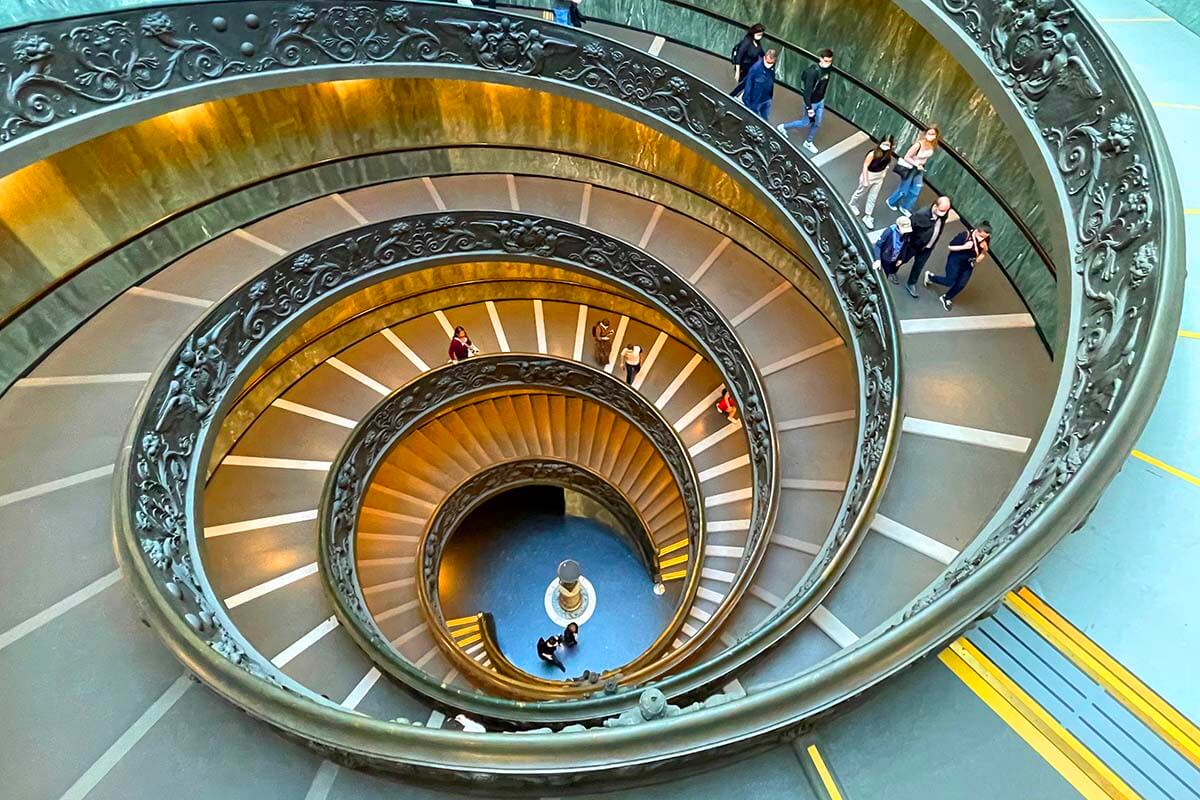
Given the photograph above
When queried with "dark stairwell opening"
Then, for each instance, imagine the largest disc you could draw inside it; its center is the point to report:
(503, 558)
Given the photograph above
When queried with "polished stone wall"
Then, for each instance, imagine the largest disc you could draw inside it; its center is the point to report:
(1186, 11)
(889, 51)
(71, 209)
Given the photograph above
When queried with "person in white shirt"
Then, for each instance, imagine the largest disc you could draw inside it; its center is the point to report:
(631, 357)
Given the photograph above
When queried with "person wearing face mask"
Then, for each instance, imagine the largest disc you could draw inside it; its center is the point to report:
(927, 226)
(870, 179)
(966, 250)
(911, 169)
(746, 54)
(760, 85)
(813, 84)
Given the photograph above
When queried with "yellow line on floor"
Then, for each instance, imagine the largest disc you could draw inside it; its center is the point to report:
(1191, 212)
(1062, 751)
(1165, 467)
(1181, 106)
(1157, 714)
(1189, 334)
(826, 778)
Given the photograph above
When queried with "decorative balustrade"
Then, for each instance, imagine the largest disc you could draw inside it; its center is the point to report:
(448, 387)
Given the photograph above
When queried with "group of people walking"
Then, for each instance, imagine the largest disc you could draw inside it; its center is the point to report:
(915, 234)
(630, 355)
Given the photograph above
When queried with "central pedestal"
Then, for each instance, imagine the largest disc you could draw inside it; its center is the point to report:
(570, 597)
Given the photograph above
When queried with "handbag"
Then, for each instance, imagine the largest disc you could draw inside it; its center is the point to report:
(903, 169)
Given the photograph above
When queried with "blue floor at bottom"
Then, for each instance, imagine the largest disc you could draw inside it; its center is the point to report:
(504, 563)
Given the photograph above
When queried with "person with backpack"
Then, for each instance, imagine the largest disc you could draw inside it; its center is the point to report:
(890, 246)
(760, 85)
(813, 84)
(745, 55)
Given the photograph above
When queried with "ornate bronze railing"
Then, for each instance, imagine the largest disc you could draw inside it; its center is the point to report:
(441, 390)
(476, 43)
(1118, 193)
(175, 428)
(504, 476)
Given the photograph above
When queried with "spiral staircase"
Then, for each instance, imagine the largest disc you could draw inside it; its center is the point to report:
(230, 416)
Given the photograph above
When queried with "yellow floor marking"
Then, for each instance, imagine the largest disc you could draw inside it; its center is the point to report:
(1189, 334)
(1181, 106)
(1157, 714)
(1062, 751)
(671, 562)
(822, 770)
(672, 547)
(1154, 462)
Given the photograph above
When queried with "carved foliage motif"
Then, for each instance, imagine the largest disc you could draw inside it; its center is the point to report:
(1040, 49)
(61, 70)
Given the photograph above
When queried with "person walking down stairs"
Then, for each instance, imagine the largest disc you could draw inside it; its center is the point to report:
(889, 247)
(813, 85)
(461, 347)
(927, 227)
(745, 55)
(631, 357)
(870, 179)
(727, 406)
(602, 336)
(760, 85)
(966, 250)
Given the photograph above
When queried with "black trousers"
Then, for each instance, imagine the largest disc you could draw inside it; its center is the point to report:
(919, 259)
(631, 370)
(555, 660)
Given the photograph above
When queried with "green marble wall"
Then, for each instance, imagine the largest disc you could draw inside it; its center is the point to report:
(888, 50)
(1186, 11)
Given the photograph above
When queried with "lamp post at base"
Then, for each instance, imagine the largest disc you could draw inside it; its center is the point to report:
(570, 597)
(570, 590)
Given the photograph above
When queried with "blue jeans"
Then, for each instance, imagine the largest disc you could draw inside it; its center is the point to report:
(763, 109)
(562, 16)
(812, 123)
(956, 278)
(907, 192)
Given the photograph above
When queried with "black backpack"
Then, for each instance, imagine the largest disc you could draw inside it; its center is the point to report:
(733, 57)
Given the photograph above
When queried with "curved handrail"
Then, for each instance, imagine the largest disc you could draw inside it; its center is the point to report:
(1127, 251)
(656, 91)
(1031, 237)
(969, 167)
(157, 491)
(441, 390)
(202, 377)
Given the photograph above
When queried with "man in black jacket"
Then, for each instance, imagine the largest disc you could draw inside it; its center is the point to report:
(813, 84)
(927, 227)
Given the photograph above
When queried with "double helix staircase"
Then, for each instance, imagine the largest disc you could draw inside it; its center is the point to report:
(976, 398)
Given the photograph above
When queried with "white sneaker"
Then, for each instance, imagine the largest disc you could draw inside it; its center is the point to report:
(946, 304)
(782, 130)
(854, 210)
(926, 279)
(810, 147)
(869, 221)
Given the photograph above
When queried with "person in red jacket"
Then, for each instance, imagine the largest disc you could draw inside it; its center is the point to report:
(461, 347)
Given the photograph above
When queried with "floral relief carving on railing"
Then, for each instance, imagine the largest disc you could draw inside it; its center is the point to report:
(181, 410)
(1055, 66)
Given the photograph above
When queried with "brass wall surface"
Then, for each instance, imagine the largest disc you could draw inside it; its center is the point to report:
(65, 210)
